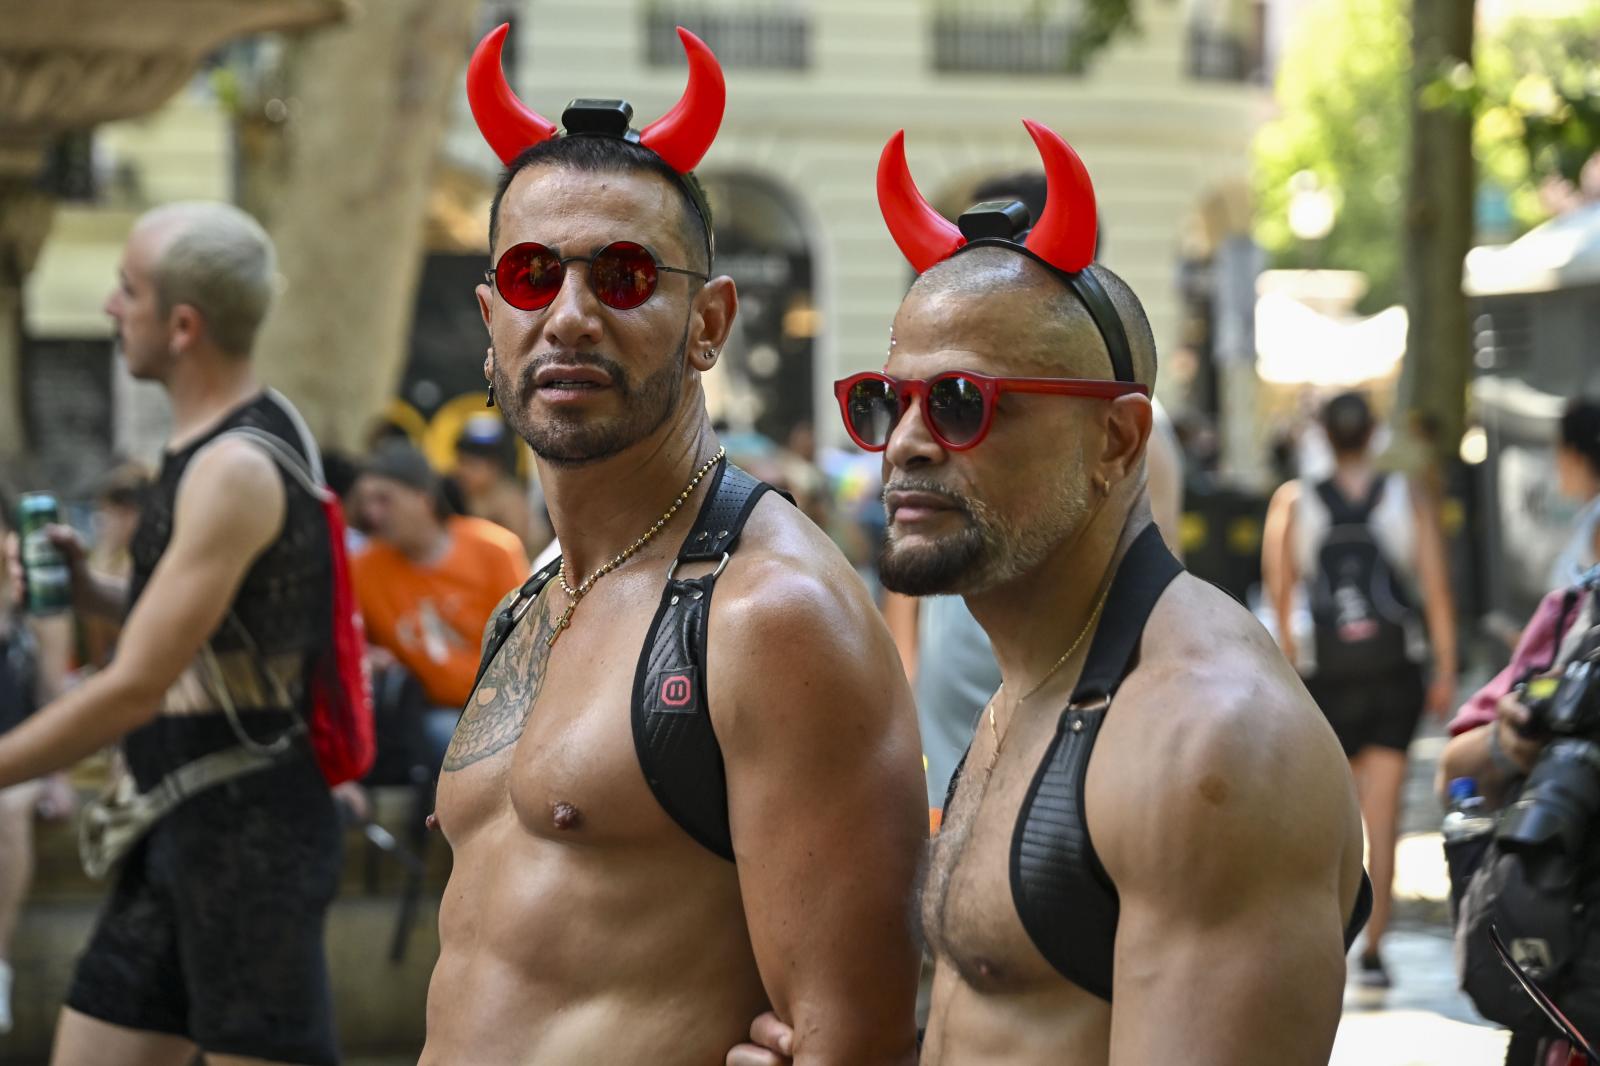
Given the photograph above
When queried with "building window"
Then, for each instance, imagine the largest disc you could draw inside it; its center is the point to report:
(1225, 41)
(771, 36)
(70, 173)
(1010, 37)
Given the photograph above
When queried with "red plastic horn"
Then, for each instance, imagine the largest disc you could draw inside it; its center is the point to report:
(924, 236)
(683, 135)
(509, 125)
(1064, 235)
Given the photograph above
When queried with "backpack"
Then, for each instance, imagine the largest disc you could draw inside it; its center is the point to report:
(1544, 907)
(1359, 608)
(339, 685)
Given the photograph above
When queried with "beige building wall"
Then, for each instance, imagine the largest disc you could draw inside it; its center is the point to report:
(1155, 141)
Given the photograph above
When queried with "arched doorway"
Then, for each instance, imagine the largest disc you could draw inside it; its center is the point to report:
(763, 383)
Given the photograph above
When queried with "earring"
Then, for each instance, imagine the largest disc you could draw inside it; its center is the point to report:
(1103, 483)
(489, 400)
(711, 355)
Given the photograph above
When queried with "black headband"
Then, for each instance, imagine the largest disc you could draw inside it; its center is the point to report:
(614, 118)
(1004, 224)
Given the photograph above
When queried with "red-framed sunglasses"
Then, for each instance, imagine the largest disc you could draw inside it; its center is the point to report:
(623, 274)
(957, 405)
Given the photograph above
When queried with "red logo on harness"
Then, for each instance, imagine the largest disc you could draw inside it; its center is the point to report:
(676, 691)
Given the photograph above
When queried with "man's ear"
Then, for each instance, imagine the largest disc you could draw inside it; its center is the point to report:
(1128, 420)
(711, 320)
(186, 325)
(485, 301)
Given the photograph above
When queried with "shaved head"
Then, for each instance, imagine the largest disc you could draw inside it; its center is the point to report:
(1059, 333)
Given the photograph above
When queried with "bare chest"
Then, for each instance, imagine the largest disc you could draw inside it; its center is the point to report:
(547, 738)
(968, 916)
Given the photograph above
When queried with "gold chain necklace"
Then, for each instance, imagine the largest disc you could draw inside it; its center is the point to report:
(625, 554)
(994, 729)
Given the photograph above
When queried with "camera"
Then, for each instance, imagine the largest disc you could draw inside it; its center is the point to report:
(1552, 815)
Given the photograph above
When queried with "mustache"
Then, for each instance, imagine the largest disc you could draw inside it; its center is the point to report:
(960, 500)
(610, 367)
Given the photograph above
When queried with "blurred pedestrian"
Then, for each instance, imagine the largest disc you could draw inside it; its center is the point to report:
(212, 937)
(486, 471)
(33, 665)
(1578, 480)
(117, 502)
(428, 581)
(1357, 548)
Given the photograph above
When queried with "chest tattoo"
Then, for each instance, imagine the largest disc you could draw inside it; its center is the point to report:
(498, 710)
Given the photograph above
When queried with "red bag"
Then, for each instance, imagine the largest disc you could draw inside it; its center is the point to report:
(340, 683)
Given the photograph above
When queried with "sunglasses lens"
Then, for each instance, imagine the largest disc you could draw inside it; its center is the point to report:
(872, 410)
(623, 275)
(528, 276)
(955, 407)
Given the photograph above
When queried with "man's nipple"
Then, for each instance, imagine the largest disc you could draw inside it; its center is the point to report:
(565, 816)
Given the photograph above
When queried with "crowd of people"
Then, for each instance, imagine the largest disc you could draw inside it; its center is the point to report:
(674, 828)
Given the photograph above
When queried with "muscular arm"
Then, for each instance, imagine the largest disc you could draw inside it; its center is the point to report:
(900, 614)
(99, 594)
(1279, 573)
(826, 805)
(215, 538)
(1433, 576)
(1164, 469)
(1234, 848)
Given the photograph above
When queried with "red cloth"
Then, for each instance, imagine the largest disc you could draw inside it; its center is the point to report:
(1535, 651)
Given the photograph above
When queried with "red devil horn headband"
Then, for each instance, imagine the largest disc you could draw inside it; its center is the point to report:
(681, 137)
(1063, 236)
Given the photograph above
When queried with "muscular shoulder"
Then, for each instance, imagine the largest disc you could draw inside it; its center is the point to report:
(1214, 753)
(231, 493)
(790, 612)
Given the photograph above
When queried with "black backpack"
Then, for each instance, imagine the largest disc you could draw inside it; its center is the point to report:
(1359, 608)
(1544, 907)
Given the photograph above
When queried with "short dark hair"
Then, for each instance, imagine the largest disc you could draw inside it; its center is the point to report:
(1580, 431)
(1347, 420)
(612, 155)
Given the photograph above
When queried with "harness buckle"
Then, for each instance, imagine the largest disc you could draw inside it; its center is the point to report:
(672, 570)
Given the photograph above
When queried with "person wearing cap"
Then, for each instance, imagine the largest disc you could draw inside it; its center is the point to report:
(428, 580)
(483, 469)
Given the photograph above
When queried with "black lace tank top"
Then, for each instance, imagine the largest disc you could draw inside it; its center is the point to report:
(282, 608)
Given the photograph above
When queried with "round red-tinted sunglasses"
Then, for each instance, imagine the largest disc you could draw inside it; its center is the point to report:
(957, 406)
(623, 274)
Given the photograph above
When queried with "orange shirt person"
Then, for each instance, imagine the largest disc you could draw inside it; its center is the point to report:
(428, 582)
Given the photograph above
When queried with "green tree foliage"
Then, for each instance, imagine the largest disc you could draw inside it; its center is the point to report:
(1342, 91)
(1538, 99)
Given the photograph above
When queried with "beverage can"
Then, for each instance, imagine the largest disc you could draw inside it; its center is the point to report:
(44, 568)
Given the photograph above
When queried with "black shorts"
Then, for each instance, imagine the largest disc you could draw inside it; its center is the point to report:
(213, 930)
(1380, 711)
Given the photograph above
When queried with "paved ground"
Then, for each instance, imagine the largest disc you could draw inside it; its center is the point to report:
(1423, 1019)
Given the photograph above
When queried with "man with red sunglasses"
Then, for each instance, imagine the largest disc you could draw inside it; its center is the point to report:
(1152, 853)
(669, 809)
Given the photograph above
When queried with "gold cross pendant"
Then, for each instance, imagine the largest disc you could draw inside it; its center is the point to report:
(561, 623)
